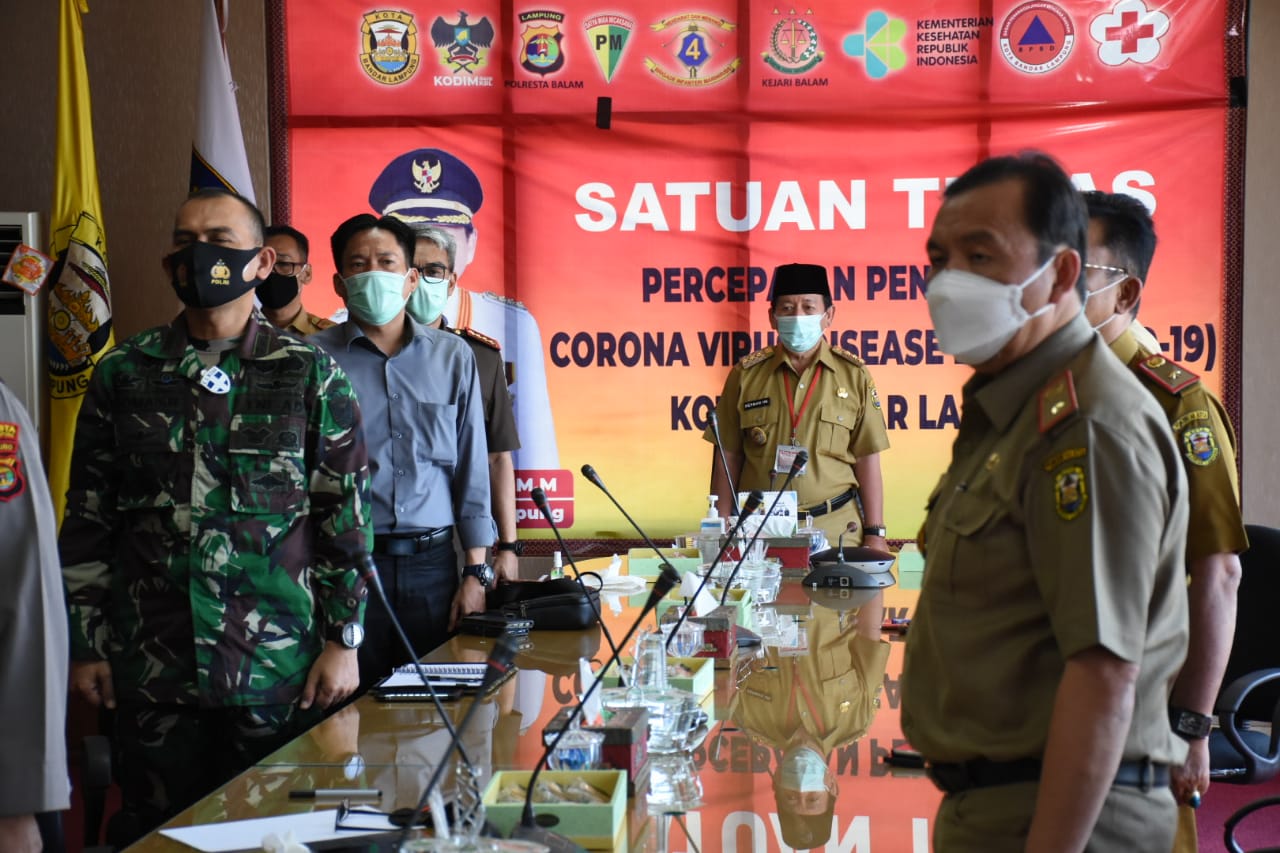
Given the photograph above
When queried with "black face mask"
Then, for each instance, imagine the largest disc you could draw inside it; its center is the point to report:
(278, 290)
(206, 276)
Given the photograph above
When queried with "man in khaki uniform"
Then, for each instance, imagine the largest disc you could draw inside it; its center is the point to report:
(1052, 619)
(1122, 241)
(281, 292)
(805, 393)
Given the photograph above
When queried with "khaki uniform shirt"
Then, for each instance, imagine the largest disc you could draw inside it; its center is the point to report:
(841, 424)
(1059, 526)
(306, 323)
(1208, 446)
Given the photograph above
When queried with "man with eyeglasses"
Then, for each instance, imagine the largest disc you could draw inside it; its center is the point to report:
(434, 255)
(1122, 241)
(281, 292)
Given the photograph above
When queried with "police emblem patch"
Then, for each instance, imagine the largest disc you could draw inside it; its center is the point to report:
(694, 44)
(389, 46)
(1069, 492)
(220, 273)
(541, 50)
(11, 479)
(1200, 446)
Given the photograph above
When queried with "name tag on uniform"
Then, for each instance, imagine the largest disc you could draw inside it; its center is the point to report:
(786, 457)
(215, 379)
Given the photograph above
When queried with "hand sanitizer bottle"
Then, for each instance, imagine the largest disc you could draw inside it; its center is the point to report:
(710, 531)
(557, 565)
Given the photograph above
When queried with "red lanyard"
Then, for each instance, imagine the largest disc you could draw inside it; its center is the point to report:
(796, 416)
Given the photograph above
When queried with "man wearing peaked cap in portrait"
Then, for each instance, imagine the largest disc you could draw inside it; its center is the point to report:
(805, 393)
(429, 186)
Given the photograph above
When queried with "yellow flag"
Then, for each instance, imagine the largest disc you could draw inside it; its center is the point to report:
(79, 319)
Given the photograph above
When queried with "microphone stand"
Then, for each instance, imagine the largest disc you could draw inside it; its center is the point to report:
(540, 501)
(753, 503)
(801, 459)
(590, 474)
(528, 828)
(724, 462)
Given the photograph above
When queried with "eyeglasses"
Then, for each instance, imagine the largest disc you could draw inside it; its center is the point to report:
(349, 818)
(1105, 268)
(434, 270)
(289, 267)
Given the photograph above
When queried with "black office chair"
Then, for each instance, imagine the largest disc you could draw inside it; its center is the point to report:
(1229, 830)
(1238, 752)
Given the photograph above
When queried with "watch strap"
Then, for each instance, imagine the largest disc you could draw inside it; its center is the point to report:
(1189, 725)
(482, 572)
(874, 530)
(516, 547)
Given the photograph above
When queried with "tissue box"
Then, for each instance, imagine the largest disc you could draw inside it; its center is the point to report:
(700, 682)
(595, 826)
(644, 563)
(910, 566)
(719, 638)
(626, 744)
(792, 551)
(739, 600)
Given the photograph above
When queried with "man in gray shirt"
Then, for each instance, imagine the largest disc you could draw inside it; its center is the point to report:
(33, 656)
(424, 424)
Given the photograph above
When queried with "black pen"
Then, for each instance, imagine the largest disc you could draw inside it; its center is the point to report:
(337, 794)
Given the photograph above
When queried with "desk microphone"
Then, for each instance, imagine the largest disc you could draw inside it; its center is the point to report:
(801, 459)
(753, 503)
(724, 462)
(590, 474)
(528, 828)
(495, 668)
(540, 501)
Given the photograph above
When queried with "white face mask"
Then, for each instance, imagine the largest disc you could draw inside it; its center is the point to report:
(975, 316)
(803, 770)
(1094, 293)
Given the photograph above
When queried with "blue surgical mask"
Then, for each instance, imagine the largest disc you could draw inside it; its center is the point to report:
(375, 297)
(800, 332)
(803, 770)
(426, 304)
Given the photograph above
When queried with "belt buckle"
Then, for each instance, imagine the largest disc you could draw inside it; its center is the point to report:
(1146, 775)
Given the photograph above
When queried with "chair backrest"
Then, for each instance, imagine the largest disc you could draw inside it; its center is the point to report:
(1257, 635)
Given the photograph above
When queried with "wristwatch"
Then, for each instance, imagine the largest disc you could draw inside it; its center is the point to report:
(516, 547)
(874, 530)
(482, 572)
(1189, 725)
(350, 634)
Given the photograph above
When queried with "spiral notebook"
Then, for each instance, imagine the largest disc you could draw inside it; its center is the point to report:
(465, 675)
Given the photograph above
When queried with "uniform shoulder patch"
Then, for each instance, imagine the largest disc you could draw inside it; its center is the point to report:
(1070, 492)
(322, 323)
(12, 481)
(1167, 374)
(752, 359)
(472, 334)
(841, 352)
(1057, 401)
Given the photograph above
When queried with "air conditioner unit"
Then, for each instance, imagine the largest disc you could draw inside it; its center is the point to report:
(22, 364)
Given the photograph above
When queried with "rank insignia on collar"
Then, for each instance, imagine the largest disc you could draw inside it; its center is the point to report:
(1057, 401)
(1069, 492)
(1199, 446)
(1169, 375)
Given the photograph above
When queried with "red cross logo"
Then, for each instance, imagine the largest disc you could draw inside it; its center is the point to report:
(1129, 32)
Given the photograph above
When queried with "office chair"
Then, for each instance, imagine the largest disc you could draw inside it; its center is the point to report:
(1229, 829)
(1238, 752)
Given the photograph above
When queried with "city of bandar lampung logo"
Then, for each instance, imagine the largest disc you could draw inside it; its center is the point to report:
(389, 46)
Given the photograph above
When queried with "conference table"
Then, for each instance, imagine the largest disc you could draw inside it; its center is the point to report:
(832, 691)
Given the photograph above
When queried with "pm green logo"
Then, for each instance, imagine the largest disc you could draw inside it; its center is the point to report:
(879, 45)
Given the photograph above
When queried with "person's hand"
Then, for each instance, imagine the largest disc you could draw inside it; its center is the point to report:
(468, 599)
(506, 565)
(333, 677)
(91, 681)
(338, 735)
(19, 834)
(1192, 776)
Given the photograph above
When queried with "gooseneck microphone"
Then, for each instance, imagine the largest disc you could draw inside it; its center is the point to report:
(495, 667)
(753, 503)
(528, 828)
(800, 460)
(724, 461)
(590, 474)
(540, 501)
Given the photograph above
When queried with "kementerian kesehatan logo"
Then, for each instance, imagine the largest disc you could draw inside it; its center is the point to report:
(793, 44)
(462, 45)
(694, 44)
(389, 46)
(541, 42)
(1037, 37)
(608, 35)
(879, 45)
(1130, 32)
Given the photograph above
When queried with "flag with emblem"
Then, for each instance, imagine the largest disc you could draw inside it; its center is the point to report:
(218, 157)
(79, 311)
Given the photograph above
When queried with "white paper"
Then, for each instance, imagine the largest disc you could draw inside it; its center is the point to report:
(307, 827)
(689, 584)
(704, 603)
(590, 708)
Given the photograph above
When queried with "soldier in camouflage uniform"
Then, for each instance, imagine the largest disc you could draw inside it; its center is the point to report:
(217, 510)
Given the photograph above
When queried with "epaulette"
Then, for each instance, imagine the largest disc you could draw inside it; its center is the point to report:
(480, 337)
(846, 355)
(751, 360)
(1057, 401)
(1167, 374)
(505, 300)
(322, 323)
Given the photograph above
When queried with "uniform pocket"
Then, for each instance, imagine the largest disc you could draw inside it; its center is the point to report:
(437, 437)
(267, 465)
(149, 443)
(835, 432)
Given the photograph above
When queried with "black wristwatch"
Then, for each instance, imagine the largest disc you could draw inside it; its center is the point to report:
(1189, 725)
(482, 572)
(516, 547)
(349, 635)
(874, 530)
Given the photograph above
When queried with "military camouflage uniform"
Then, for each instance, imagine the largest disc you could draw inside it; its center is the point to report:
(210, 540)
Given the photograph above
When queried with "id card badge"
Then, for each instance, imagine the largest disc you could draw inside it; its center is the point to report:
(785, 456)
